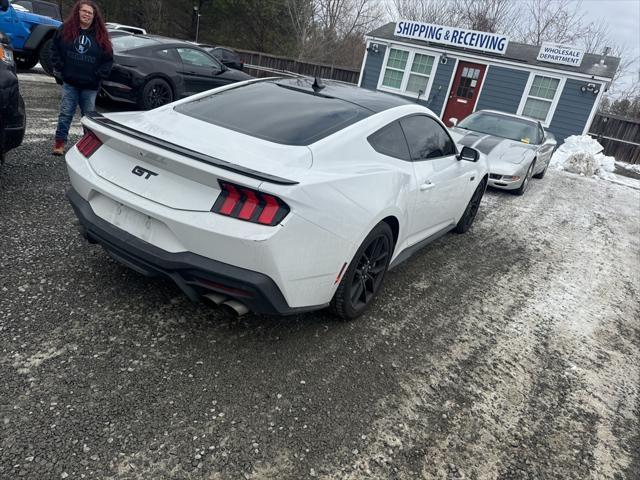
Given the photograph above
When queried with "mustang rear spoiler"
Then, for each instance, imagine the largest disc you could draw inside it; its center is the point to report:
(201, 157)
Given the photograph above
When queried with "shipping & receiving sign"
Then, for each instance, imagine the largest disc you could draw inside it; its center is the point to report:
(460, 37)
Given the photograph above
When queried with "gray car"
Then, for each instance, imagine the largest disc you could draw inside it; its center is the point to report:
(517, 148)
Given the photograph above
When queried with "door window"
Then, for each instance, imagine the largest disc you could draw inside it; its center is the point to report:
(468, 82)
(196, 58)
(426, 138)
(390, 141)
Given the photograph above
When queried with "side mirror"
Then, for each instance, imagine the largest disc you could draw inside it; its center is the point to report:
(469, 154)
(453, 121)
(4, 5)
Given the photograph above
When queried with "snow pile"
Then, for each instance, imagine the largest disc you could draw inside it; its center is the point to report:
(583, 155)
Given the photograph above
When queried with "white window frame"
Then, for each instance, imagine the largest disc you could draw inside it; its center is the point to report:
(407, 71)
(554, 100)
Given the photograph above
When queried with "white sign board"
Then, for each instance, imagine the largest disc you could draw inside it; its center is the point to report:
(459, 37)
(562, 54)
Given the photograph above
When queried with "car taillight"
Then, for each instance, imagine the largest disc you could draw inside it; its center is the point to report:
(88, 144)
(250, 205)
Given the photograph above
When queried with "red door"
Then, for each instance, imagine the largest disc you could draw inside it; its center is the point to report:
(464, 91)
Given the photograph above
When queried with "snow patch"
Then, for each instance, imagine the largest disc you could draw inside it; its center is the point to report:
(582, 155)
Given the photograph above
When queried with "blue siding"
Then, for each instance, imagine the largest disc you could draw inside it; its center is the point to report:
(573, 110)
(373, 68)
(503, 89)
(438, 93)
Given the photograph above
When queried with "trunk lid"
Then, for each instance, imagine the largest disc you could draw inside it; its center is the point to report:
(177, 160)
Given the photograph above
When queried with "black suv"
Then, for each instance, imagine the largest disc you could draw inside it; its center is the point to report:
(47, 9)
(12, 111)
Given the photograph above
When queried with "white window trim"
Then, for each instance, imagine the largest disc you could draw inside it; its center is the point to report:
(554, 101)
(494, 61)
(407, 71)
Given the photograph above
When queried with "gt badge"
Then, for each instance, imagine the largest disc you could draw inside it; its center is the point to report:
(139, 171)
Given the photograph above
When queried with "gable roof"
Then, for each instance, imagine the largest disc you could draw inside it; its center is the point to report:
(516, 52)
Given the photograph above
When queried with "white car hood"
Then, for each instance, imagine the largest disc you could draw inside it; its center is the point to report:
(218, 142)
(497, 149)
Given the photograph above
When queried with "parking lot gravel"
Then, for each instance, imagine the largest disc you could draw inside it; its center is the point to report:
(510, 352)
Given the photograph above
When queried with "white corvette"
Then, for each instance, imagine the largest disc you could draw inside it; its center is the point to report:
(276, 196)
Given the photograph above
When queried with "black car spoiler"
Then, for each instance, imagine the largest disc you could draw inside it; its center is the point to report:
(201, 157)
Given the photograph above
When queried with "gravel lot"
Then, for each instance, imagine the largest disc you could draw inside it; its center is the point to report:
(510, 352)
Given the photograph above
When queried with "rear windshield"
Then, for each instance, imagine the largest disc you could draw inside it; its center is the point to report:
(129, 42)
(276, 113)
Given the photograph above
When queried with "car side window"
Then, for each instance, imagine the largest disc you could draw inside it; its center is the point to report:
(426, 138)
(390, 141)
(196, 58)
(168, 54)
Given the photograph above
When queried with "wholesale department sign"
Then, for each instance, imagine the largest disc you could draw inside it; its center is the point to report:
(561, 54)
(459, 37)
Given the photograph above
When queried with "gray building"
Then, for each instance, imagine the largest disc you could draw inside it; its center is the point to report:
(455, 72)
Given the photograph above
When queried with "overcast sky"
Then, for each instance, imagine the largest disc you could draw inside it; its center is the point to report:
(623, 18)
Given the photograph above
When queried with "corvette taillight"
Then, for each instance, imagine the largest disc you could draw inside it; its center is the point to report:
(88, 144)
(250, 205)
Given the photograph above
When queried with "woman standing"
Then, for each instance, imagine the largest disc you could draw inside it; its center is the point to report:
(82, 57)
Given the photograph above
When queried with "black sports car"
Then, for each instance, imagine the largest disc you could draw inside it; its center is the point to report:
(12, 111)
(152, 71)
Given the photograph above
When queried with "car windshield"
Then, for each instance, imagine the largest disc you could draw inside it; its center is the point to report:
(278, 113)
(129, 42)
(501, 126)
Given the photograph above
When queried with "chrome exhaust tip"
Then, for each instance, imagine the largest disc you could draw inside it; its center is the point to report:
(236, 307)
(216, 298)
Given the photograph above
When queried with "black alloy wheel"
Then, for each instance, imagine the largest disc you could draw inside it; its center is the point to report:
(365, 274)
(470, 212)
(156, 93)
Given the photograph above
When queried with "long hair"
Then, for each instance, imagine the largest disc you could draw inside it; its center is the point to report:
(71, 26)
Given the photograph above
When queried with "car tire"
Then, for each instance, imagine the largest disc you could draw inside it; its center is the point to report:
(155, 93)
(45, 56)
(470, 212)
(26, 63)
(363, 279)
(525, 181)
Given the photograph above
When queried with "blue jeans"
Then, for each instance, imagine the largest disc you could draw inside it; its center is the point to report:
(71, 98)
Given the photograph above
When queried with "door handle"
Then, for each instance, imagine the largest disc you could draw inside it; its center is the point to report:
(427, 186)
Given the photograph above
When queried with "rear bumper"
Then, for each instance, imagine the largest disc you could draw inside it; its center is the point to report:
(192, 273)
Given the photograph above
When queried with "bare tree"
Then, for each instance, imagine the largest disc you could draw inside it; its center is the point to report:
(301, 14)
(485, 15)
(338, 30)
(428, 11)
(559, 21)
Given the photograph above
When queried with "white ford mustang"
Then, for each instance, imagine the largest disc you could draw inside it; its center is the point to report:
(276, 196)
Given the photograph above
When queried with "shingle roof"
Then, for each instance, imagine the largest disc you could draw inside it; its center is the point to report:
(516, 52)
